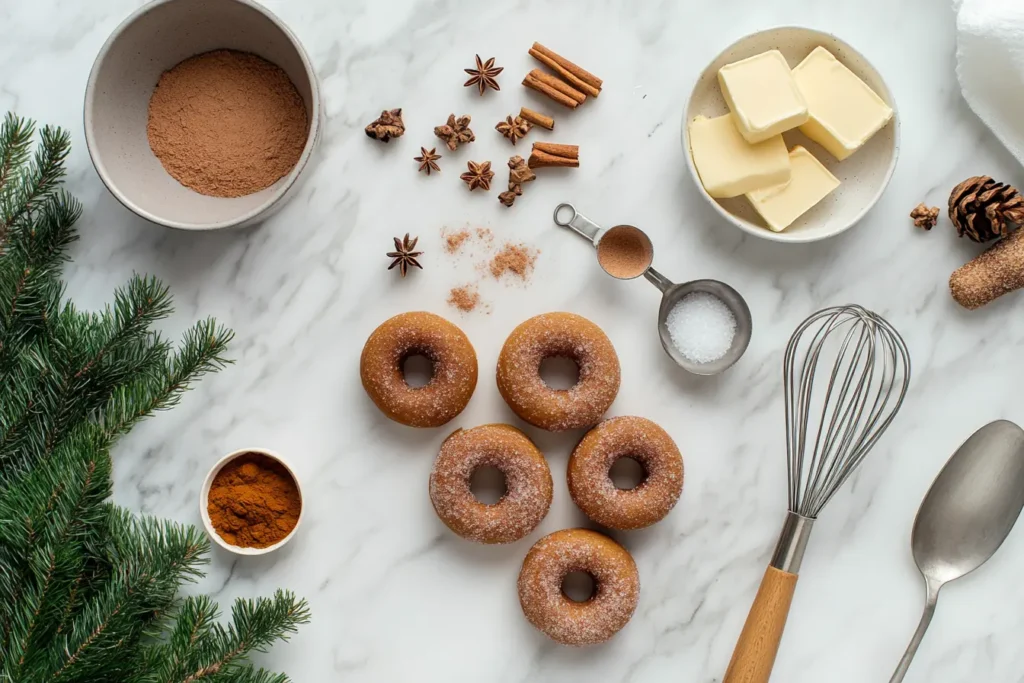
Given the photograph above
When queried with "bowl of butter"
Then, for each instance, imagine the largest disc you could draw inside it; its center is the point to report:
(791, 134)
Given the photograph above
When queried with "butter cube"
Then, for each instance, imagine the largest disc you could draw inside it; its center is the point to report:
(845, 111)
(810, 182)
(728, 165)
(762, 96)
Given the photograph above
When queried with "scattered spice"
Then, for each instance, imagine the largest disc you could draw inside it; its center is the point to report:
(464, 298)
(227, 123)
(254, 501)
(456, 131)
(554, 154)
(389, 125)
(453, 240)
(484, 75)
(405, 255)
(428, 160)
(485, 235)
(925, 217)
(519, 173)
(478, 175)
(579, 78)
(513, 128)
(517, 259)
(537, 118)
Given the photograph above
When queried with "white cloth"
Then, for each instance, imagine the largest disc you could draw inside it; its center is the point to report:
(990, 65)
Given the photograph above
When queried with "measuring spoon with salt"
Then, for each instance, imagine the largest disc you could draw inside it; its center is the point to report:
(626, 252)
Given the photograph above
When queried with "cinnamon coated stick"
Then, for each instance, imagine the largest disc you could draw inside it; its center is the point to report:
(575, 70)
(558, 84)
(539, 159)
(536, 118)
(567, 75)
(567, 151)
(546, 89)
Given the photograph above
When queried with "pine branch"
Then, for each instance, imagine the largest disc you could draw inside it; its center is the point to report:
(35, 181)
(201, 352)
(15, 148)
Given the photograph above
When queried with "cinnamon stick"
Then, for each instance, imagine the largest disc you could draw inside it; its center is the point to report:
(558, 84)
(545, 89)
(536, 118)
(539, 159)
(575, 70)
(567, 75)
(567, 151)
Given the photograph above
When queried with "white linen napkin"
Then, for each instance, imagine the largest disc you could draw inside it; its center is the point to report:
(990, 65)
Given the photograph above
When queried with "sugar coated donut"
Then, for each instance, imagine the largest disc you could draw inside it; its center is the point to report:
(626, 437)
(527, 482)
(558, 335)
(453, 362)
(616, 586)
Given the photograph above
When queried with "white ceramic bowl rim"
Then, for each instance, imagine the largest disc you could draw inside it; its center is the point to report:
(204, 498)
(793, 237)
(307, 150)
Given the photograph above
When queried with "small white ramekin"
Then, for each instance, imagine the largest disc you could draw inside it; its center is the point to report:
(152, 40)
(204, 502)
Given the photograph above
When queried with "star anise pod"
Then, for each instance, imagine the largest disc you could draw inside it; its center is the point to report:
(478, 175)
(513, 128)
(518, 173)
(483, 76)
(404, 256)
(428, 160)
(388, 126)
(454, 132)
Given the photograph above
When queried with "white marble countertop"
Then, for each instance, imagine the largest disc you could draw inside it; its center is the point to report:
(395, 596)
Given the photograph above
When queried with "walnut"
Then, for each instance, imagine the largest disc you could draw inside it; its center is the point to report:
(925, 217)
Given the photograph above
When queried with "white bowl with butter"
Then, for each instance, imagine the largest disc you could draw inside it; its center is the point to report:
(824, 158)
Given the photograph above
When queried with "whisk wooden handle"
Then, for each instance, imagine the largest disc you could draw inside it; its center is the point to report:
(754, 656)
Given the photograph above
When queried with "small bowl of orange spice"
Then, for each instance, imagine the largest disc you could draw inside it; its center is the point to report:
(251, 502)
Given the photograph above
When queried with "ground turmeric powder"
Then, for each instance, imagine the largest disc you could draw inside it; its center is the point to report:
(254, 501)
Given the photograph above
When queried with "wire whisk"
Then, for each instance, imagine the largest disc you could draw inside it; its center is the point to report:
(845, 374)
(866, 386)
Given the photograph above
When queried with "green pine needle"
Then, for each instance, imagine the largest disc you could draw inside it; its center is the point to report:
(88, 591)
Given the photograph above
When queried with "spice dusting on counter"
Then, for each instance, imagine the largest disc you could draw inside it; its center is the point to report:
(464, 298)
(254, 501)
(517, 259)
(453, 241)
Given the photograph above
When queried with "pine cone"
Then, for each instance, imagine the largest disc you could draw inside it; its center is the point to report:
(983, 209)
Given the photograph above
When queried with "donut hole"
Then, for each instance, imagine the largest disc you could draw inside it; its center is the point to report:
(579, 586)
(488, 484)
(417, 370)
(627, 473)
(559, 373)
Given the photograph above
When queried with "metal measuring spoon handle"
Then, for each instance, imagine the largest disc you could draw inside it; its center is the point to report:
(577, 222)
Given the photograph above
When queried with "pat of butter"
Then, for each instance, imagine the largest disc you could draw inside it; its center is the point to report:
(728, 165)
(845, 111)
(762, 96)
(781, 205)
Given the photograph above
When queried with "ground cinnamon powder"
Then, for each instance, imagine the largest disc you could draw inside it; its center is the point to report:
(227, 123)
(254, 501)
(464, 298)
(517, 259)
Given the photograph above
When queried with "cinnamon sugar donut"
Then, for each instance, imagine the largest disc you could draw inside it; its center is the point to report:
(527, 481)
(616, 586)
(558, 335)
(591, 486)
(453, 362)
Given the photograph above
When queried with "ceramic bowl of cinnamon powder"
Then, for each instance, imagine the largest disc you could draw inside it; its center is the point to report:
(251, 502)
(202, 114)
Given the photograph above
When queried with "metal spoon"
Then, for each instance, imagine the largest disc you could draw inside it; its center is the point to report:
(967, 514)
(567, 216)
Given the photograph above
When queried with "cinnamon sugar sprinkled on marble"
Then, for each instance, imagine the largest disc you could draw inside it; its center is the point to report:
(464, 298)
(517, 259)
(616, 582)
(597, 496)
(527, 478)
(453, 241)
(554, 335)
